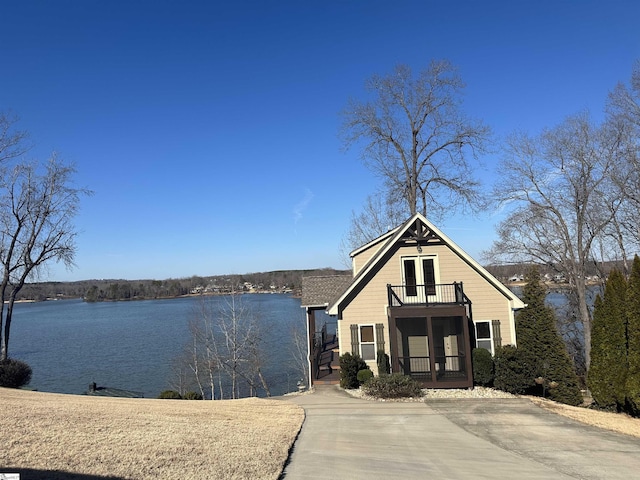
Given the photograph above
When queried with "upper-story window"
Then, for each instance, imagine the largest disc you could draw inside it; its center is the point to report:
(420, 273)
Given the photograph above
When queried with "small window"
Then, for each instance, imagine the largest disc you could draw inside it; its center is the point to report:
(483, 336)
(367, 342)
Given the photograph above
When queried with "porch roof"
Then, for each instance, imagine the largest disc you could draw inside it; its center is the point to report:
(321, 291)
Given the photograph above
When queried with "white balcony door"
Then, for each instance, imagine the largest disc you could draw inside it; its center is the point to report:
(420, 277)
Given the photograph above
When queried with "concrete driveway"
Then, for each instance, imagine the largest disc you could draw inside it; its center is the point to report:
(348, 438)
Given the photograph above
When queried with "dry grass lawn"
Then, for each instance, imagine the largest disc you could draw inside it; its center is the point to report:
(616, 422)
(47, 435)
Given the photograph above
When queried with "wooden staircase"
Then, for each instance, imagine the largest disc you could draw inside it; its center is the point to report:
(329, 371)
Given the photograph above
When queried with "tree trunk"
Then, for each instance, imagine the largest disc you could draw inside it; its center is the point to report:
(585, 317)
(264, 383)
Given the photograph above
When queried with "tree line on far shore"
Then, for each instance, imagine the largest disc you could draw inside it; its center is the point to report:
(115, 290)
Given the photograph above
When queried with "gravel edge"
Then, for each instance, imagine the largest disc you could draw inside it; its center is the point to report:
(435, 393)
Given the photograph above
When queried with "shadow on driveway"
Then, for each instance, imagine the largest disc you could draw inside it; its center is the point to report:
(345, 437)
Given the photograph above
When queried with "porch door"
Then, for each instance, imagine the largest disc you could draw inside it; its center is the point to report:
(448, 345)
(420, 278)
(433, 350)
(413, 347)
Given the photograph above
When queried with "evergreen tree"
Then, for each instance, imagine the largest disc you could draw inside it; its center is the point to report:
(607, 375)
(633, 339)
(543, 350)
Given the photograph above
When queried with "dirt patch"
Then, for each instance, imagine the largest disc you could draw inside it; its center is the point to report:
(145, 438)
(617, 422)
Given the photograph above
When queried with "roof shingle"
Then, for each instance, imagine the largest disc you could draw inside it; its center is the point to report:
(321, 291)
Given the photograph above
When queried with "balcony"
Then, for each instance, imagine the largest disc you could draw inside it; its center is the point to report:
(427, 295)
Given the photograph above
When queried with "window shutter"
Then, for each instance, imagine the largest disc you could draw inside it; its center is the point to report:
(355, 344)
(495, 333)
(379, 338)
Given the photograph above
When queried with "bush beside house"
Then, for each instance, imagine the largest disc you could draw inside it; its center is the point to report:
(395, 385)
(483, 369)
(350, 365)
(364, 376)
(512, 373)
(384, 365)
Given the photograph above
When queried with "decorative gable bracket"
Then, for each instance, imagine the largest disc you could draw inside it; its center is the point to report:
(419, 232)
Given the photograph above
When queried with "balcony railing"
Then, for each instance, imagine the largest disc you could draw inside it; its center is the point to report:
(429, 294)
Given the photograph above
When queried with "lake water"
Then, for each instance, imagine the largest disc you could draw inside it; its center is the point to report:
(131, 345)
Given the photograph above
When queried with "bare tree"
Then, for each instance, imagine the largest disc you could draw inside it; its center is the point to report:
(203, 352)
(379, 215)
(624, 101)
(37, 205)
(239, 347)
(13, 143)
(181, 379)
(416, 138)
(623, 111)
(299, 351)
(557, 189)
(225, 349)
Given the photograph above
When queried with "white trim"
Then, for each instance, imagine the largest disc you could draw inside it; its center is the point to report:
(419, 266)
(375, 340)
(394, 236)
(373, 242)
(475, 334)
(512, 325)
(309, 371)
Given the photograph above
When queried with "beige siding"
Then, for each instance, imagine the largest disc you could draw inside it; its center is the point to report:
(361, 259)
(369, 306)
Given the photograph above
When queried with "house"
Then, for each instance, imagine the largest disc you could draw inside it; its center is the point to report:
(418, 297)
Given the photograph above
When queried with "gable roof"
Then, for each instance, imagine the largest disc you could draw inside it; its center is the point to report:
(417, 228)
(320, 291)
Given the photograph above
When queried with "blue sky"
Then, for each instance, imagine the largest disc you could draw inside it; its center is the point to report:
(209, 130)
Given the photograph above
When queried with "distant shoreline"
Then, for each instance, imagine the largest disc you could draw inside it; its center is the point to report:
(292, 293)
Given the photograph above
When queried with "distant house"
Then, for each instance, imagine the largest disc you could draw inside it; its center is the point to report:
(418, 297)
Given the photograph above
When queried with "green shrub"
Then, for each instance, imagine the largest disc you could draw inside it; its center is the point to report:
(192, 396)
(513, 374)
(395, 385)
(384, 366)
(350, 365)
(170, 395)
(14, 373)
(364, 375)
(632, 387)
(483, 369)
(542, 352)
